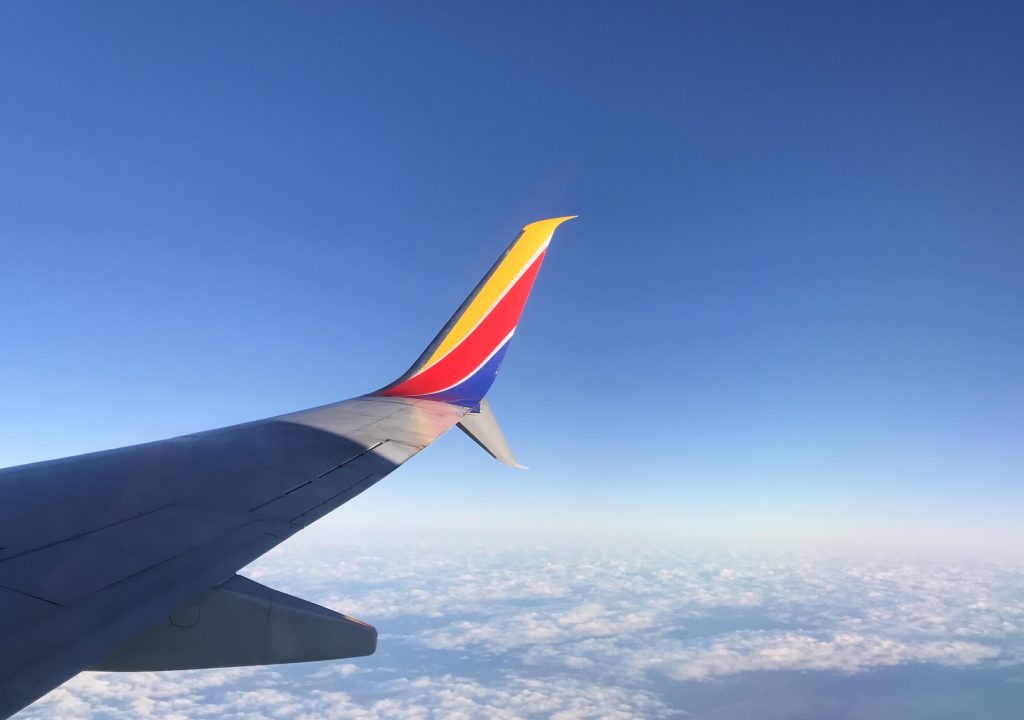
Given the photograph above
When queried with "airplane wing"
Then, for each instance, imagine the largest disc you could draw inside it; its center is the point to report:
(126, 559)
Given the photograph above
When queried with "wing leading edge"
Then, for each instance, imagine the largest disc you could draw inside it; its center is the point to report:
(100, 552)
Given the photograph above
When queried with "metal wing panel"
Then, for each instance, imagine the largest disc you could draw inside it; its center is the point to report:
(62, 573)
(18, 609)
(229, 471)
(167, 532)
(157, 525)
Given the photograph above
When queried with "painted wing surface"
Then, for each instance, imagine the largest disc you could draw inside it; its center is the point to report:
(112, 560)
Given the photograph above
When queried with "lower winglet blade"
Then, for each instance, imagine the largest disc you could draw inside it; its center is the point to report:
(483, 427)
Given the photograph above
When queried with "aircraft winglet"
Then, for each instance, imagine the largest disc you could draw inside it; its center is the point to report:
(461, 363)
(483, 428)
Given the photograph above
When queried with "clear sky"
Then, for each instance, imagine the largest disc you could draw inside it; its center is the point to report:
(790, 311)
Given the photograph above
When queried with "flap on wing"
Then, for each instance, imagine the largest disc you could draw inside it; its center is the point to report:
(309, 500)
(243, 623)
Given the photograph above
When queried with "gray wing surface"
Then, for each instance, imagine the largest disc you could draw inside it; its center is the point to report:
(96, 549)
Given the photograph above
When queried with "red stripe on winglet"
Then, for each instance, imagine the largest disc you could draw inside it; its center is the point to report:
(478, 345)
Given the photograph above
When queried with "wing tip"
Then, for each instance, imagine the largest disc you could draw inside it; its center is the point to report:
(549, 223)
(462, 361)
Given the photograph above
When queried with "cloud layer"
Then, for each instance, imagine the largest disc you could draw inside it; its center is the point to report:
(494, 633)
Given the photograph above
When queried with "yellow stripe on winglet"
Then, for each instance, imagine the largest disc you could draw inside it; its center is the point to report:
(532, 239)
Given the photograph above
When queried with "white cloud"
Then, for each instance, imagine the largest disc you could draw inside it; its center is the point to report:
(535, 628)
(495, 634)
(842, 652)
(446, 697)
(167, 696)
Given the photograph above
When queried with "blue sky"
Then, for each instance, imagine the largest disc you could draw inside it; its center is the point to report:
(789, 311)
